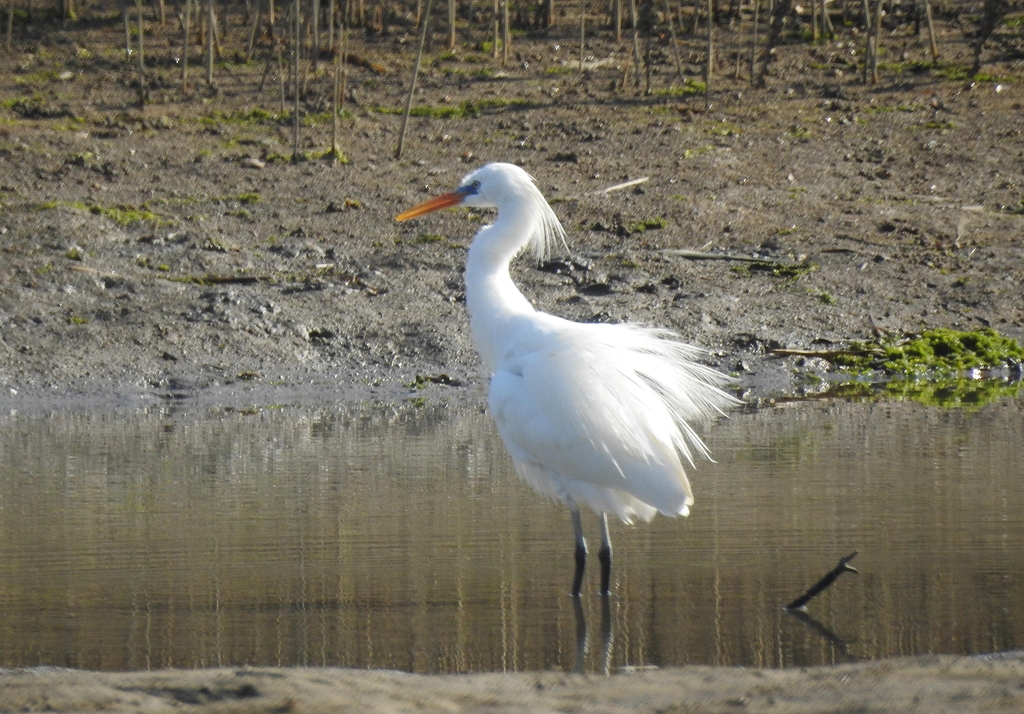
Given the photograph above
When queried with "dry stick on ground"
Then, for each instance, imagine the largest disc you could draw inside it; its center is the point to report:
(506, 34)
(636, 40)
(672, 39)
(827, 20)
(142, 64)
(876, 34)
(753, 45)
(344, 65)
(127, 29)
(625, 72)
(711, 55)
(10, 23)
(338, 101)
(304, 45)
(869, 46)
(451, 24)
(315, 19)
(184, 52)
(648, 20)
(647, 62)
(497, 27)
(827, 355)
(818, 587)
(616, 19)
(210, 20)
(738, 32)
(252, 31)
(583, 27)
(698, 255)
(280, 73)
(620, 186)
(296, 157)
(415, 73)
(330, 25)
(334, 103)
(931, 31)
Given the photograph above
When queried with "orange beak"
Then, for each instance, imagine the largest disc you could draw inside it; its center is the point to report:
(447, 200)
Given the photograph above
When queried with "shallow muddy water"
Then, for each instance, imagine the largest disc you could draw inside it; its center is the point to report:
(400, 538)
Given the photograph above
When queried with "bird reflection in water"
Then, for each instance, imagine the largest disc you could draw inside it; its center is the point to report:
(583, 641)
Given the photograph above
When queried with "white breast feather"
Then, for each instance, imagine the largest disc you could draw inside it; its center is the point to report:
(603, 421)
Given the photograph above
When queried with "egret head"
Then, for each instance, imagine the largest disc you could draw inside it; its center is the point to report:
(512, 191)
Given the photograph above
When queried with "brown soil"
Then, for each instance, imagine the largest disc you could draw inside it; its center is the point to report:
(902, 202)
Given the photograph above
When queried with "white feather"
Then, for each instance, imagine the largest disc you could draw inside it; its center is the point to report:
(592, 414)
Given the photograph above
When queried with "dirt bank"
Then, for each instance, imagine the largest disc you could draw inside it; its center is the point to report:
(172, 251)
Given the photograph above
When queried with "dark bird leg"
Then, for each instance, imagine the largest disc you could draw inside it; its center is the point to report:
(605, 556)
(581, 553)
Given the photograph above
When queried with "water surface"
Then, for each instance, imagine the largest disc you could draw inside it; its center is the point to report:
(400, 538)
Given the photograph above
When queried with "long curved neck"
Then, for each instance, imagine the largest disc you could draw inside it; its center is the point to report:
(492, 299)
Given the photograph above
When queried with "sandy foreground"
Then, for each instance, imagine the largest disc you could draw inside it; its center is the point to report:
(920, 684)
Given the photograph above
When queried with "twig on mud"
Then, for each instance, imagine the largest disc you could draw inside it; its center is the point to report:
(698, 255)
(620, 186)
(818, 587)
(829, 355)
(93, 271)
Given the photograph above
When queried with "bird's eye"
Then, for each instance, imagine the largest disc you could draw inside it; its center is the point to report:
(476, 185)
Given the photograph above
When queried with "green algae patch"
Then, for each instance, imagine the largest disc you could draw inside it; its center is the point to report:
(121, 215)
(467, 109)
(647, 224)
(961, 393)
(940, 351)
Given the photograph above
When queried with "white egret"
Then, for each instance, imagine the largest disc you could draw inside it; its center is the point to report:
(592, 414)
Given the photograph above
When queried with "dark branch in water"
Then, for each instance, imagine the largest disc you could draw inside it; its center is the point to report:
(826, 634)
(830, 577)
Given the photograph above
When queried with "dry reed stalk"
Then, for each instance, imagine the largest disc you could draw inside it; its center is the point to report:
(876, 33)
(142, 63)
(252, 31)
(315, 30)
(672, 39)
(210, 20)
(451, 24)
(753, 43)
(415, 73)
(931, 31)
(10, 23)
(709, 68)
(184, 52)
(297, 54)
(506, 35)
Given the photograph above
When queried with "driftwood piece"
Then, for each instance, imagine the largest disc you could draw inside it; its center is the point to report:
(829, 355)
(699, 255)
